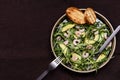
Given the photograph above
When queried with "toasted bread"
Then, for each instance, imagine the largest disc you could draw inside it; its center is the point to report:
(90, 16)
(76, 15)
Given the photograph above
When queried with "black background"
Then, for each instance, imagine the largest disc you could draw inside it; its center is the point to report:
(25, 28)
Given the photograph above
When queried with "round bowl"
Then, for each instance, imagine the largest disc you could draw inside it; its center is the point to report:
(103, 19)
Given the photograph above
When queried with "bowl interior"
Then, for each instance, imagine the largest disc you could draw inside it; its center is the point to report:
(103, 19)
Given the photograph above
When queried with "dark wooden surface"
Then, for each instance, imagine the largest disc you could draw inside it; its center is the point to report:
(25, 28)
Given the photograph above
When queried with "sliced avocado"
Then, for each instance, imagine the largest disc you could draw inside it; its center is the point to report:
(100, 38)
(103, 34)
(101, 57)
(96, 37)
(75, 57)
(65, 28)
(89, 41)
(75, 36)
(86, 41)
(83, 34)
(64, 48)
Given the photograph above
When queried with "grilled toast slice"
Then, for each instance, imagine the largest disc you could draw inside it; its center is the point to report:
(90, 16)
(76, 15)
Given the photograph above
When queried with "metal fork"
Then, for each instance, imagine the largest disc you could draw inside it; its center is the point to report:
(51, 67)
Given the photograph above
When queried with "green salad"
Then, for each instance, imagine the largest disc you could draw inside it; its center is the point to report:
(78, 43)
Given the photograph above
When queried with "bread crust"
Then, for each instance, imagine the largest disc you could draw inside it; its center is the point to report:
(90, 16)
(76, 15)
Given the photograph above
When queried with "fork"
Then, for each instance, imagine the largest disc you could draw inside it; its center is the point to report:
(107, 41)
(51, 67)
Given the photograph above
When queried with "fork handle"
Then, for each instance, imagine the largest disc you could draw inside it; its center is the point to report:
(109, 39)
(43, 75)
